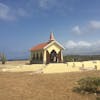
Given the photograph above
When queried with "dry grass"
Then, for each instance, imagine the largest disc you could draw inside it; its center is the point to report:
(24, 86)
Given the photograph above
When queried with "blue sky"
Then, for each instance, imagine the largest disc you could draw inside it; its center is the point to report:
(25, 23)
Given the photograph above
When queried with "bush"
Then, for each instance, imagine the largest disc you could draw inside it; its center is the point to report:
(3, 58)
(89, 84)
(98, 98)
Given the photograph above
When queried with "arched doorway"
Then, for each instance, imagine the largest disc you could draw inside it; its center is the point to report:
(53, 56)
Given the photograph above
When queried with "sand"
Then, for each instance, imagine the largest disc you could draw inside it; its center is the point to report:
(22, 66)
(19, 81)
(25, 86)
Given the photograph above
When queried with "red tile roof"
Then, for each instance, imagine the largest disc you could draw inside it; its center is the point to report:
(39, 46)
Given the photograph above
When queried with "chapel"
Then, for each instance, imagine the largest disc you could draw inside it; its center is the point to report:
(47, 52)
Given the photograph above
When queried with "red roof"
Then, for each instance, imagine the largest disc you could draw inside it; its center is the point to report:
(39, 46)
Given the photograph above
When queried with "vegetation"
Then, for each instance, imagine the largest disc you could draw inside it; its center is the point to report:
(88, 85)
(3, 58)
(70, 58)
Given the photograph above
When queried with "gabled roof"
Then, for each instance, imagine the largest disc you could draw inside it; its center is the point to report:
(39, 46)
(52, 42)
(46, 44)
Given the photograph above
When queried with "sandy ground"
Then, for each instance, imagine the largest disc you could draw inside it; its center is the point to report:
(25, 86)
(22, 66)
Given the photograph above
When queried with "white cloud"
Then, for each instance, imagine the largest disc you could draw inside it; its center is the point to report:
(70, 44)
(89, 27)
(82, 47)
(58, 6)
(43, 3)
(83, 44)
(76, 30)
(47, 4)
(5, 12)
(94, 24)
(80, 44)
(8, 13)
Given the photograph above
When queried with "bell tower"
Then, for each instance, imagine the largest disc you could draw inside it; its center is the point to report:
(52, 37)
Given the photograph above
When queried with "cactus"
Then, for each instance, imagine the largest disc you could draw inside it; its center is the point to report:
(3, 58)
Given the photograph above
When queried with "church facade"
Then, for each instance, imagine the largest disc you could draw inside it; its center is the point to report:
(47, 52)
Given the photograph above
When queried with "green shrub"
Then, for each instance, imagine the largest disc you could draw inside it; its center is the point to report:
(97, 98)
(89, 84)
(3, 58)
